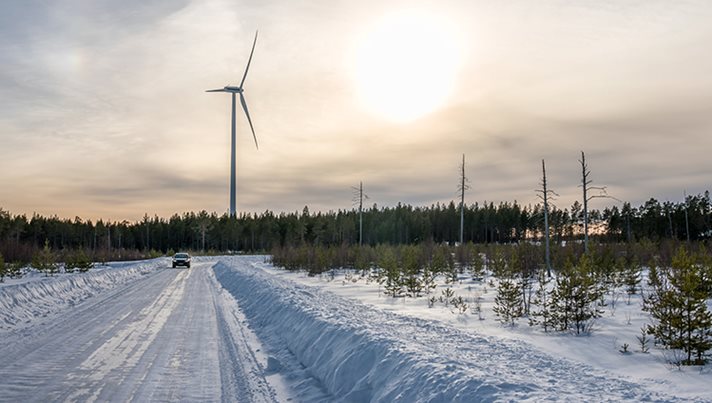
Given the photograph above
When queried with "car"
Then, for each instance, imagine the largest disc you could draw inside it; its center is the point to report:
(181, 259)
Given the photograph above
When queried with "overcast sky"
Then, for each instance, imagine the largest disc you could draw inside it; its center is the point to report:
(103, 112)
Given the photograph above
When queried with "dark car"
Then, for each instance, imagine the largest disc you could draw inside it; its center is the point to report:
(181, 259)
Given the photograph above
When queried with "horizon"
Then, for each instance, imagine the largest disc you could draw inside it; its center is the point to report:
(103, 113)
(366, 208)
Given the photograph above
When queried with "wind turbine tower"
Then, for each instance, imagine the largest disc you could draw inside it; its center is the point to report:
(238, 90)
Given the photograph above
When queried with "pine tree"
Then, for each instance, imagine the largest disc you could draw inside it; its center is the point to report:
(683, 320)
(542, 314)
(656, 302)
(631, 276)
(392, 274)
(508, 304)
(574, 298)
(45, 261)
(499, 264)
(361, 260)
(438, 263)
(428, 280)
(477, 266)
(13, 269)
(77, 260)
(411, 268)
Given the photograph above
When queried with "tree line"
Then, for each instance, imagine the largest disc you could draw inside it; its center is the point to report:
(506, 222)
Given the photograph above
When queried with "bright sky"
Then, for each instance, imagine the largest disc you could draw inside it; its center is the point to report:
(103, 111)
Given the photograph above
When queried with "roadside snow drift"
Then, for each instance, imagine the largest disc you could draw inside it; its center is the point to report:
(359, 353)
(25, 302)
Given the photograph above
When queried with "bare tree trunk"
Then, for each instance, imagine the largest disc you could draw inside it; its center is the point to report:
(544, 194)
(546, 219)
(360, 214)
(584, 183)
(462, 189)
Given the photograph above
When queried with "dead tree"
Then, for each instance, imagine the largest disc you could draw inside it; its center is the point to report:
(358, 199)
(687, 222)
(461, 187)
(545, 196)
(585, 182)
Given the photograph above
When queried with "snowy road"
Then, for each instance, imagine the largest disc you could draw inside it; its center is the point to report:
(171, 336)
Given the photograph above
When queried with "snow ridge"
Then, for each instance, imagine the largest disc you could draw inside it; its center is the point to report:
(22, 304)
(360, 353)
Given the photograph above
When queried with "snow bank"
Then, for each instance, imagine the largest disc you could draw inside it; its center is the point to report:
(38, 297)
(360, 353)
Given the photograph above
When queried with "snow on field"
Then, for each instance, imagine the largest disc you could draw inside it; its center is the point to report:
(368, 352)
(36, 296)
(621, 323)
(237, 329)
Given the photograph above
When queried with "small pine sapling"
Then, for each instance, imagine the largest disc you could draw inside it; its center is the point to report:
(499, 264)
(543, 314)
(392, 281)
(477, 267)
(459, 303)
(428, 280)
(624, 349)
(574, 297)
(446, 296)
(361, 262)
(631, 278)
(14, 269)
(45, 261)
(411, 267)
(413, 286)
(431, 301)
(644, 340)
(348, 277)
(508, 304)
(477, 307)
(682, 319)
(77, 260)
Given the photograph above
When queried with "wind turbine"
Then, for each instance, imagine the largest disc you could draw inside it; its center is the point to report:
(238, 90)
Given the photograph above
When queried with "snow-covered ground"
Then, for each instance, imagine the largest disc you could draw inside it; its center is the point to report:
(237, 329)
(36, 295)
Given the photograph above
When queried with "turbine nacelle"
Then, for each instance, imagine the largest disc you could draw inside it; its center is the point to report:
(231, 89)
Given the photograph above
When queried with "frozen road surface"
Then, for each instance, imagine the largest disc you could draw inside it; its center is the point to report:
(173, 335)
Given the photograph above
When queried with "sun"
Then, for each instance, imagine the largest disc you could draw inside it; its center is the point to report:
(405, 66)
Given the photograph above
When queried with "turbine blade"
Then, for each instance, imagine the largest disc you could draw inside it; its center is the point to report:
(249, 60)
(244, 107)
(220, 90)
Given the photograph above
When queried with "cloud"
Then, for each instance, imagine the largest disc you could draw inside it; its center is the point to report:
(103, 111)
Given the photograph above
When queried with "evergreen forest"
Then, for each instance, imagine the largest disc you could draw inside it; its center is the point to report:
(21, 237)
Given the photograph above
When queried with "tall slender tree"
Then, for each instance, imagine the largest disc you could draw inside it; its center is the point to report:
(545, 196)
(586, 185)
(358, 198)
(462, 186)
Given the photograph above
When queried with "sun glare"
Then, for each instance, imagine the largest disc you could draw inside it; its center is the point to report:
(406, 65)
